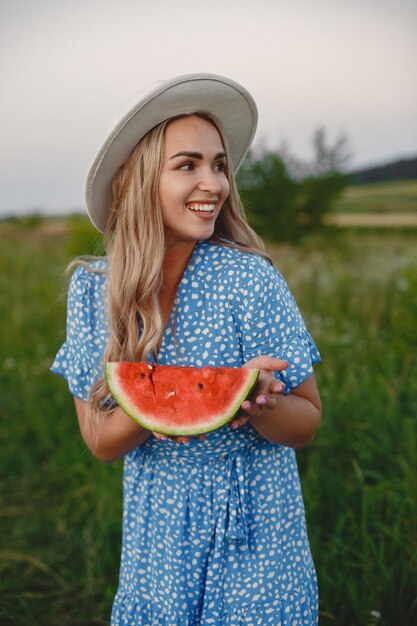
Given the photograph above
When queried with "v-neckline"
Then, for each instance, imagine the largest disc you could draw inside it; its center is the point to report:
(189, 268)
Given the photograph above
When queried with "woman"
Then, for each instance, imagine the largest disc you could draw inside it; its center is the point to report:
(214, 530)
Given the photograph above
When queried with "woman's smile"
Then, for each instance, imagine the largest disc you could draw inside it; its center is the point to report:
(201, 207)
(205, 211)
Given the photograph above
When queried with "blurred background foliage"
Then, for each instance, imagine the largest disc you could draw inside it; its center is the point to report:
(287, 199)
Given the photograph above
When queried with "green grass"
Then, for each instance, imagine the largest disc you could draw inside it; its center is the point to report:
(359, 477)
(384, 197)
(61, 509)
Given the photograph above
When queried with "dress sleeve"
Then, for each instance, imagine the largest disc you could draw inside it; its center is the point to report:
(74, 359)
(272, 325)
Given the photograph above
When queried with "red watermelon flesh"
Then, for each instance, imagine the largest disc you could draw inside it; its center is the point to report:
(176, 400)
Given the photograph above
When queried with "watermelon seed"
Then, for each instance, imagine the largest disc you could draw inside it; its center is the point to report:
(200, 386)
(142, 375)
(171, 393)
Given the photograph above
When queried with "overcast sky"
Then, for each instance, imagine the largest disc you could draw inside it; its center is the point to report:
(66, 65)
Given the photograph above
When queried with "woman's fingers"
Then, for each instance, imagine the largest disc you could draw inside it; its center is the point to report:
(171, 438)
(263, 401)
(161, 437)
(238, 422)
(277, 387)
(268, 363)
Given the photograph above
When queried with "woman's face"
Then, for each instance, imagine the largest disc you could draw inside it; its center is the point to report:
(193, 185)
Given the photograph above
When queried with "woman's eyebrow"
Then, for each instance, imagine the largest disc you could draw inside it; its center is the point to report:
(196, 155)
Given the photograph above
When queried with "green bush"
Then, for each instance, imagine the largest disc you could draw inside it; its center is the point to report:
(281, 207)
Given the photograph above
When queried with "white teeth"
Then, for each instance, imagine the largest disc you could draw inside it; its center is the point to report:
(205, 208)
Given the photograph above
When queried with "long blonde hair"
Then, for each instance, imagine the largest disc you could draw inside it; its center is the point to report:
(135, 246)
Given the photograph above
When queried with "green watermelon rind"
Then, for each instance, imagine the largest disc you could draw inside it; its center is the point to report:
(208, 426)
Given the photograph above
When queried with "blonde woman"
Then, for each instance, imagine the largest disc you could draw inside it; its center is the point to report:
(213, 526)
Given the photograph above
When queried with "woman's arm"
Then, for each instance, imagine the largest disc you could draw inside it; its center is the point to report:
(114, 436)
(289, 420)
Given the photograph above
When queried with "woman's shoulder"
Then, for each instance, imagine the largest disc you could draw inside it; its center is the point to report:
(239, 268)
(227, 255)
(243, 271)
(88, 275)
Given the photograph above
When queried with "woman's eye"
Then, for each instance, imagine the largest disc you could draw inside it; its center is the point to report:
(220, 166)
(186, 167)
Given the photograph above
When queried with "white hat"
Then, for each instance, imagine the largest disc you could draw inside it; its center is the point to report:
(228, 102)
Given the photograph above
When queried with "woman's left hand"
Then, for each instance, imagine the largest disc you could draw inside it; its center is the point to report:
(267, 391)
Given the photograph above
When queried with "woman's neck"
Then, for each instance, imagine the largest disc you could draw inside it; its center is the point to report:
(175, 261)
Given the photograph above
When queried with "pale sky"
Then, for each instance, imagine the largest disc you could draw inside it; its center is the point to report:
(66, 65)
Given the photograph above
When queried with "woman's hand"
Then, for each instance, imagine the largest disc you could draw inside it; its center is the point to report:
(181, 439)
(267, 391)
(290, 420)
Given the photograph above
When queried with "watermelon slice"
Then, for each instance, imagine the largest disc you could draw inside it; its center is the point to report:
(174, 400)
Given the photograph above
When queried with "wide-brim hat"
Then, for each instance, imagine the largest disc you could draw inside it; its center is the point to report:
(230, 104)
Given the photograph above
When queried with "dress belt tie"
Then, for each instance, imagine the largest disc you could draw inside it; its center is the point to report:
(237, 523)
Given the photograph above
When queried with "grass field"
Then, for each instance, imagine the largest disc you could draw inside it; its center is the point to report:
(61, 509)
(384, 197)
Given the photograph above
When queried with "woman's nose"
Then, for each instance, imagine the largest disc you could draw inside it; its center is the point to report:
(209, 181)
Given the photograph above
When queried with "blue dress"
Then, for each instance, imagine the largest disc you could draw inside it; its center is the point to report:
(214, 531)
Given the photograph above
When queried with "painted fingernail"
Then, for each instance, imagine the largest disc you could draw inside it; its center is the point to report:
(234, 426)
(280, 389)
(262, 401)
(246, 406)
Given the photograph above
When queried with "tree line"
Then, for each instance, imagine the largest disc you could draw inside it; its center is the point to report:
(402, 169)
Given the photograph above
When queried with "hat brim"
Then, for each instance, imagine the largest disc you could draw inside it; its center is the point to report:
(228, 102)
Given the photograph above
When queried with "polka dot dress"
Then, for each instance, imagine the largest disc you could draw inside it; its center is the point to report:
(213, 531)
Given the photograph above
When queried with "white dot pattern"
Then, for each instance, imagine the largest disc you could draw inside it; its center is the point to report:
(213, 531)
